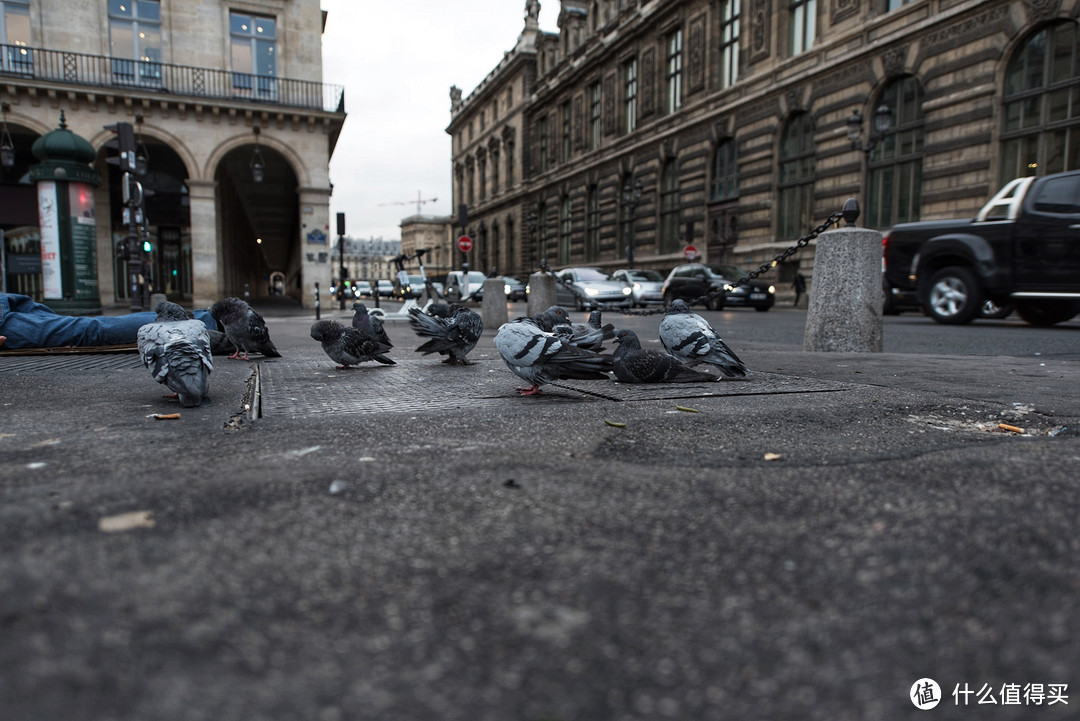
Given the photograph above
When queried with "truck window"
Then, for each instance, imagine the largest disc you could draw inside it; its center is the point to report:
(1059, 195)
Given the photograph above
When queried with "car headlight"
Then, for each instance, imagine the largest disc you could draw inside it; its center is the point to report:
(592, 291)
(772, 289)
(637, 287)
(627, 290)
(506, 289)
(729, 287)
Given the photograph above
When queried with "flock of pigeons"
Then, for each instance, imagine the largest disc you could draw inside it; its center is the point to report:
(545, 348)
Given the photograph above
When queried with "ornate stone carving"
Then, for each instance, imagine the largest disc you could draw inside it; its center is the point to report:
(1041, 10)
(648, 82)
(844, 9)
(759, 30)
(695, 71)
(893, 61)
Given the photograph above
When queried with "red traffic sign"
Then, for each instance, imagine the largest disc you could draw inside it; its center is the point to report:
(464, 244)
(689, 252)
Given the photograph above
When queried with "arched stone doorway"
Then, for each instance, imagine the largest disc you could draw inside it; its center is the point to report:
(21, 245)
(259, 223)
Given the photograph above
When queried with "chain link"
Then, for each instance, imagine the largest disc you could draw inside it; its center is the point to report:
(712, 296)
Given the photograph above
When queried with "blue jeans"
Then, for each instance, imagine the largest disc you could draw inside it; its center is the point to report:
(28, 324)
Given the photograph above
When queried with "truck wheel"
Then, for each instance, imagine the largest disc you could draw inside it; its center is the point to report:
(955, 297)
(1046, 312)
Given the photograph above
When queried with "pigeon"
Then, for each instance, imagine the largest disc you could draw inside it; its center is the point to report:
(590, 335)
(176, 349)
(453, 337)
(633, 364)
(553, 316)
(369, 325)
(689, 337)
(348, 346)
(540, 357)
(244, 327)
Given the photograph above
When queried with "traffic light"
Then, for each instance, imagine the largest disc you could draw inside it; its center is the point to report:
(124, 143)
(146, 246)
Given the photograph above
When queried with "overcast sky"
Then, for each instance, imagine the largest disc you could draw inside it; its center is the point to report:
(397, 60)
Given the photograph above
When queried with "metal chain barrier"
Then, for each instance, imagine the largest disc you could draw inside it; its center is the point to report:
(714, 295)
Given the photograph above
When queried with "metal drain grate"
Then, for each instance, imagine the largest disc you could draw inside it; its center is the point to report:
(69, 363)
(310, 385)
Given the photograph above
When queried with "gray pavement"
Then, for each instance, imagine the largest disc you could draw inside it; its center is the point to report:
(418, 542)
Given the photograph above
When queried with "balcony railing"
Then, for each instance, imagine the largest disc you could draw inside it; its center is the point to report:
(180, 81)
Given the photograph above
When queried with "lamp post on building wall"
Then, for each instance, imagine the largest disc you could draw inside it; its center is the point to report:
(631, 198)
(882, 122)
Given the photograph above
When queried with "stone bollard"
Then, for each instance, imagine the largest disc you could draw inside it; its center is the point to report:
(541, 293)
(493, 308)
(844, 314)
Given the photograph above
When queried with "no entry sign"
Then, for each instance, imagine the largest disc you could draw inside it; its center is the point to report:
(464, 244)
(689, 252)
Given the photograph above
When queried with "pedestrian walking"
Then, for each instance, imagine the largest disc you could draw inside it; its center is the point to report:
(800, 287)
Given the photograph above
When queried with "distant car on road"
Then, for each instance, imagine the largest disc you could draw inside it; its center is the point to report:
(455, 282)
(647, 285)
(515, 289)
(694, 280)
(592, 288)
(385, 288)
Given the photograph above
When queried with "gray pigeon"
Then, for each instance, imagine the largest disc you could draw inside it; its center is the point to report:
(453, 337)
(590, 335)
(244, 327)
(689, 337)
(369, 325)
(634, 364)
(553, 316)
(348, 346)
(540, 357)
(176, 349)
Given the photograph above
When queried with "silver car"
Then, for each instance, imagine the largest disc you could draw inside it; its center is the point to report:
(592, 288)
(647, 285)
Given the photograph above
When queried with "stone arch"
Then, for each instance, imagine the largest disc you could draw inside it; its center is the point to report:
(247, 138)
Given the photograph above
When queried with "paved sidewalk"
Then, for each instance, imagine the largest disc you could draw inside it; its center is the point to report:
(418, 542)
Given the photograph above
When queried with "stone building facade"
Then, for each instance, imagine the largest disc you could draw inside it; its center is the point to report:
(646, 126)
(210, 87)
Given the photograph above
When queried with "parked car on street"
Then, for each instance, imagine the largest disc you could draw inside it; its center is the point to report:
(1020, 250)
(385, 288)
(647, 285)
(455, 282)
(694, 280)
(592, 288)
(515, 289)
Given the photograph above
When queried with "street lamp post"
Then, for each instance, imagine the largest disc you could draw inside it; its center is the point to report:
(882, 122)
(631, 198)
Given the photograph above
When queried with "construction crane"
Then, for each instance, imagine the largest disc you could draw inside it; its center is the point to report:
(419, 201)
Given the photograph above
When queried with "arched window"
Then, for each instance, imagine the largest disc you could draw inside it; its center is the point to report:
(894, 187)
(725, 172)
(668, 241)
(796, 185)
(1041, 114)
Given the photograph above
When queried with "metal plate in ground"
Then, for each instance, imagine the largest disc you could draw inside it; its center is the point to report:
(311, 385)
(74, 363)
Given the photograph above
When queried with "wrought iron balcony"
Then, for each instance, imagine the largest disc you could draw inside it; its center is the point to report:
(19, 62)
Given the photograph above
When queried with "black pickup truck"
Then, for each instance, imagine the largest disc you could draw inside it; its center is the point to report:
(1022, 249)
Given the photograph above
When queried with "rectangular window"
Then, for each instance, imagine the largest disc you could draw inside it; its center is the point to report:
(15, 34)
(564, 155)
(542, 131)
(541, 233)
(729, 43)
(803, 25)
(630, 95)
(565, 225)
(594, 116)
(891, 5)
(673, 72)
(135, 41)
(669, 208)
(253, 41)
(592, 226)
